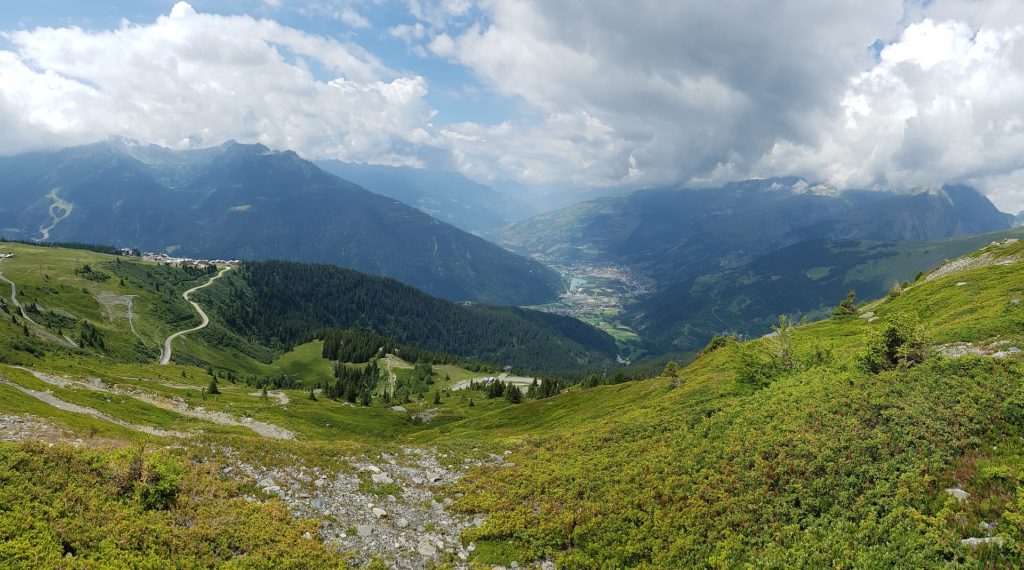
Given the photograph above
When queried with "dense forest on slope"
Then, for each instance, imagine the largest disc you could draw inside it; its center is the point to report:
(285, 303)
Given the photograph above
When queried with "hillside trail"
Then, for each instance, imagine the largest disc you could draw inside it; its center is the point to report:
(49, 398)
(35, 327)
(165, 355)
(128, 311)
(58, 210)
(171, 404)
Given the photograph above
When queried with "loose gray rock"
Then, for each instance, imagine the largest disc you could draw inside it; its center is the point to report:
(958, 494)
(425, 548)
(976, 542)
(364, 530)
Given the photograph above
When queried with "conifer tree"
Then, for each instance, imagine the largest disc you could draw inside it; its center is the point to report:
(514, 395)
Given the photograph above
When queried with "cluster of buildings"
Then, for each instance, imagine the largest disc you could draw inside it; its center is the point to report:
(187, 261)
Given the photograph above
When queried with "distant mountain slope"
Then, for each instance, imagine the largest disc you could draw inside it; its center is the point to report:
(950, 211)
(246, 201)
(808, 278)
(676, 233)
(284, 303)
(447, 196)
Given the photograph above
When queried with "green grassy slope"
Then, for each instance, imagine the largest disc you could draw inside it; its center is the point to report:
(826, 465)
(813, 461)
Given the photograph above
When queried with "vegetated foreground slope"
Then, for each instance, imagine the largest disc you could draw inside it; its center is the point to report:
(245, 201)
(847, 442)
(805, 279)
(826, 445)
(225, 451)
(286, 303)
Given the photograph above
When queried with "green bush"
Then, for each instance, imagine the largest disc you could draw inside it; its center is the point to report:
(1013, 410)
(901, 342)
(847, 307)
(718, 341)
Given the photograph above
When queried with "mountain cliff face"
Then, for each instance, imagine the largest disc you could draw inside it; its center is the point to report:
(245, 201)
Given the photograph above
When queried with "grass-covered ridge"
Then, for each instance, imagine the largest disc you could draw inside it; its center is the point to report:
(785, 451)
(825, 464)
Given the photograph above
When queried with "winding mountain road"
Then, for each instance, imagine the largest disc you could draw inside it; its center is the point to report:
(165, 355)
(36, 327)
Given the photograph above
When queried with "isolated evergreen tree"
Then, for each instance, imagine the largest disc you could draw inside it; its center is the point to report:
(847, 306)
(312, 395)
(471, 404)
(671, 370)
(514, 395)
(212, 389)
(364, 398)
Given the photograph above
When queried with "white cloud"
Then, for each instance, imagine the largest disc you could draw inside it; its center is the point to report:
(685, 86)
(191, 76)
(605, 92)
(942, 104)
(711, 90)
(408, 33)
(439, 14)
(353, 18)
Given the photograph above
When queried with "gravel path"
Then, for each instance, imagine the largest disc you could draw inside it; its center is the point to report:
(278, 395)
(176, 405)
(521, 381)
(165, 356)
(49, 398)
(36, 327)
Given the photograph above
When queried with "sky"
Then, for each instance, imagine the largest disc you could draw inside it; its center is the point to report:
(891, 94)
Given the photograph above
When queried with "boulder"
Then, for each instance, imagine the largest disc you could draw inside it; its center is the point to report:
(381, 478)
(958, 494)
(425, 548)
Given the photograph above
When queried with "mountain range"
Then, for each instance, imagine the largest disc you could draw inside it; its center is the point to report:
(246, 201)
(674, 233)
(447, 196)
(733, 258)
(806, 279)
